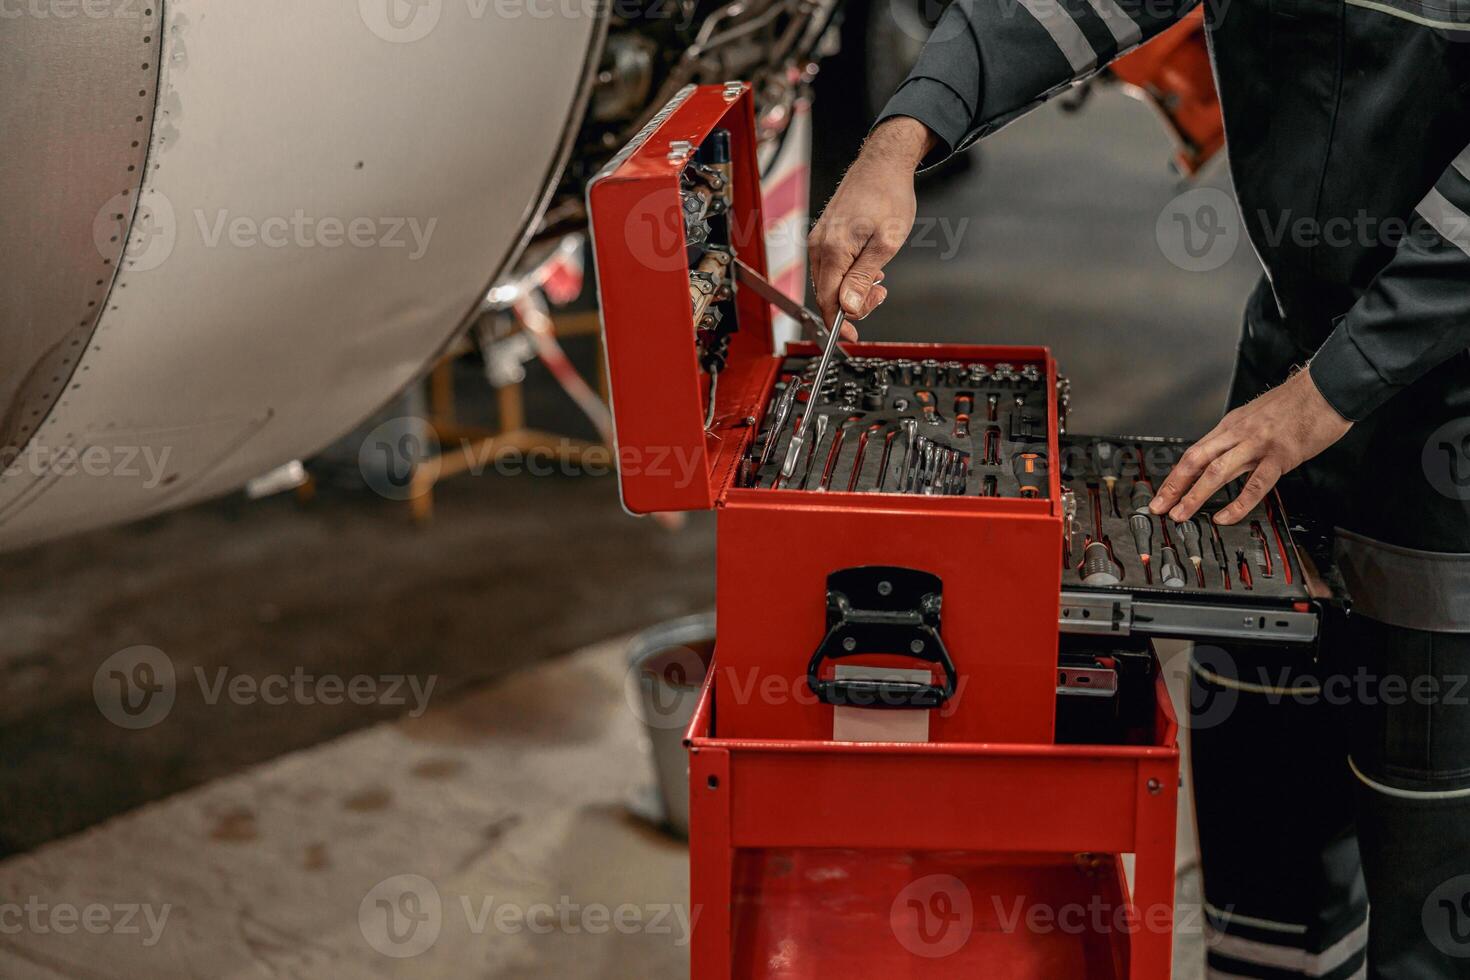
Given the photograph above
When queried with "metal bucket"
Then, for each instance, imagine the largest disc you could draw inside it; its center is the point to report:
(666, 668)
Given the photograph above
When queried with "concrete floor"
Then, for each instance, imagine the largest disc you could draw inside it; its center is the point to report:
(1059, 248)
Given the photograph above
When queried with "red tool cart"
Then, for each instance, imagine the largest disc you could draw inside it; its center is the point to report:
(899, 765)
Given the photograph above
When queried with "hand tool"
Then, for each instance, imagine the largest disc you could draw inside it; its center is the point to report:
(992, 486)
(1261, 548)
(929, 371)
(1108, 462)
(927, 405)
(1222, 556)
(778, 421)
(962, 426)
(992, 407)
(810, 321)
(823, 421)
(1003, 373)
(883, 460)
(1143, 487)
(977, 375)
(862, 451)
(910, 453)
(1069, 525)
(1245, 570)
(1098, 564)
(930, 464)
(1171, 573)
(836, 451)
(1189, 533)
(1143, 539)
(990, 451)
(964, 403)
(962, 478)
(793, 450)
(905, 371)
(1030, 469)
(1273, 508)
(955, 371)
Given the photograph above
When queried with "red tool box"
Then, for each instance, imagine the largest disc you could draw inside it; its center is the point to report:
(882, 780)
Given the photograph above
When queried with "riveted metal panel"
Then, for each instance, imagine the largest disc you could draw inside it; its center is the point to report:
(80, 83)
(330, 188)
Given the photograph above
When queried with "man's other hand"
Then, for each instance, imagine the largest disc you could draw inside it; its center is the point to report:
(1267, 438)
(867, 221)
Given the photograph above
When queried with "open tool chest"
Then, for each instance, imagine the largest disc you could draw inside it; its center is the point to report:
(928, 704)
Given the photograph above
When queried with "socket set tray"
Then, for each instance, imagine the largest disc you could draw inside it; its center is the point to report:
(1128, 570)
(924, 427)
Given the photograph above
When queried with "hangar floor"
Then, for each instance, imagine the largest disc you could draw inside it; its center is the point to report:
(1059, 248)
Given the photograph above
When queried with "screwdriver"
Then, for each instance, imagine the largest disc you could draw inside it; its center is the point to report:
(1143, 487)
(1171, 573)
(1143, 539)
(1222, 556)
(1264, 547)
(1098, 567)
(1189, 531)
(794, 448)
(1273, 506)
(1245, 570)
(1107, 462)
(1030, 468)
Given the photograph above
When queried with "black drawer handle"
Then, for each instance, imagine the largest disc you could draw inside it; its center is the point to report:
(882, 609)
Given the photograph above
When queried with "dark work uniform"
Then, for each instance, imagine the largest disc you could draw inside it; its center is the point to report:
(1349, 120)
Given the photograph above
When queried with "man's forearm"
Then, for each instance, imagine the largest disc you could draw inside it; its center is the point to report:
(899, 142)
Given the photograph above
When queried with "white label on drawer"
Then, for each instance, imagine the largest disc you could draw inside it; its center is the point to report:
(881, 724)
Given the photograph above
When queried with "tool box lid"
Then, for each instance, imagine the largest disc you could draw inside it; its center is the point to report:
(668, 458)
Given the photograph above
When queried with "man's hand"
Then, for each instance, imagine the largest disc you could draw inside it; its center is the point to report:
(1268, 437)
(867, 221)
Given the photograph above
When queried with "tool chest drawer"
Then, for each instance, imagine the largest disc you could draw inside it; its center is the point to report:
(820, 858)
(1126, 570)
